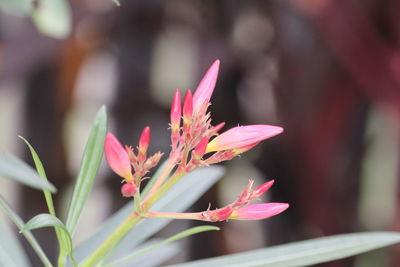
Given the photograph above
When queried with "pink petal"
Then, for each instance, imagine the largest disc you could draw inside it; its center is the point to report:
(117, 157)
(188, 107)
(242, 136)
(176, 110)
(259, 191)
(203, 93)
(144, 140)
(258, 211)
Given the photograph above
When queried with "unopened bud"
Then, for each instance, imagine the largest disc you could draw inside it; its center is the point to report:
(176, 111)
(258, 211)
(187, 111)
(215, 129)
(144, 143)
(153, 161)
(244, 197)
(128, 190)
(259, 191)
(117, 158)
(200, 148)
(217, 215)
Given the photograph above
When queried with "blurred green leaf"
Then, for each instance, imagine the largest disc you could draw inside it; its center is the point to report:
(48, 197)
(28, 235)
(155, 257)
(11, 252)
(42, 174)
(48, 220)
(305, 253)
(17, 7)
(90, 165)
(14, 168)
(179, 198)
(53, 18)
(192, 231)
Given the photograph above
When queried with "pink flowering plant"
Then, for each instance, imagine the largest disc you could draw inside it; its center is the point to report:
(195, 143)
(185, 174)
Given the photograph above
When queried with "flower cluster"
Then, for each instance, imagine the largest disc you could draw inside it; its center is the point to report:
(195, 142)
(239, 210)
(123, 160)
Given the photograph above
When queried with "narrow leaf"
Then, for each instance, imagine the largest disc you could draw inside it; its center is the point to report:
(42, 174)
(186, 233)
(90, 165)
(62, 239)
(17, 170)
(28, 235)
(178, 199)
(305, 253)
(48, 220)
(11, 251)
(53, 18)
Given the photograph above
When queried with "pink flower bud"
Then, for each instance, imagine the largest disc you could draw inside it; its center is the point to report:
(128, 190)
(176, 111)
(188, 106)
(217, 127)
(200, 148)
(144, 143)
(117, 158)
(242, 136)
(244, 197)
(187, 110)
(203, 93)
(258, 211)
(217, 214)
(259, 191)
(153, 161)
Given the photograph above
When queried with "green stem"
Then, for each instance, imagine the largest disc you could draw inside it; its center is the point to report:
(111, 241)
(130, 222)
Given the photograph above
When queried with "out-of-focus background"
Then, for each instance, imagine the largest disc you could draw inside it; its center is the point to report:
(328, 71)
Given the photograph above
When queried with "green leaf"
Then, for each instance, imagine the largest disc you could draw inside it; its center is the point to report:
(11, 252)
(179, 198)
(155, 257)
(28, 235)
(90, 165)
(192, 231)
(49, 199)
(42, 174)
(53, 18)
(15, 169)
(305, 253)
(17, 7)
(48, 220)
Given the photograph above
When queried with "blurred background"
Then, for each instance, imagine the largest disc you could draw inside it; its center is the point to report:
(328, 71)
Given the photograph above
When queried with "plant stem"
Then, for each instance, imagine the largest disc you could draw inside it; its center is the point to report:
(165, 173)
(173, 215)
(152, 199)
(111, 241)
(130, 222)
